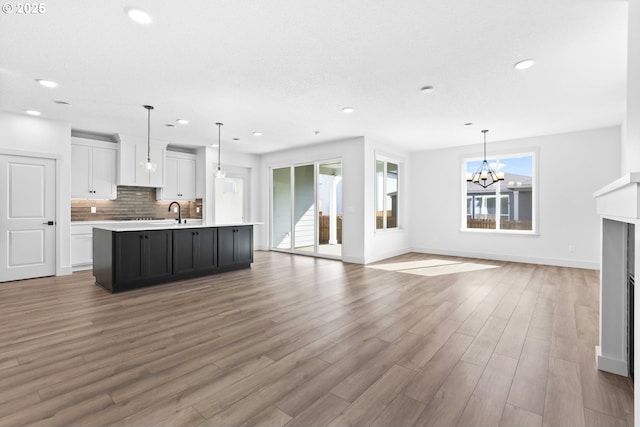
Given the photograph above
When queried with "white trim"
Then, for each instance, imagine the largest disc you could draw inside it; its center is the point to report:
(590, 265)
(609, 364)
(535, 185)
(630, 178)
(400, 164)
(386, 255)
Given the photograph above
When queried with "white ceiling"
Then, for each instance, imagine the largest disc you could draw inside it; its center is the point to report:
(287, 67)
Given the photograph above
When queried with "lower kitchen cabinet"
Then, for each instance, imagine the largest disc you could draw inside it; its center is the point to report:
(235, 245)
(194, 250)
(143, 256)
(131, 259)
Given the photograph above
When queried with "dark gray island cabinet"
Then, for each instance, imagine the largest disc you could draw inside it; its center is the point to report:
(128, 257)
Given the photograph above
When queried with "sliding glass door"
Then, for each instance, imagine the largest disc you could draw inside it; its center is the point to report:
(281, 208)
(306, 208)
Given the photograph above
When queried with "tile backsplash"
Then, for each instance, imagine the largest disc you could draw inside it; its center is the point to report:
(132, 203)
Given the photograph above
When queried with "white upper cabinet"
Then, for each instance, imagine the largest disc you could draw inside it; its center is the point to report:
(180, 177)
(93, 169)
(132, 152)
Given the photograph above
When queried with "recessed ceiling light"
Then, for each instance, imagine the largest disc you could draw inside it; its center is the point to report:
(524, 64)
(182, 121)
(468, 124)
(32, 112)
(426, 89)
(170, 125)
(257, 134)
(348, 110)
(214, 145)
(139, 16)
(47, 83)
(62, 103)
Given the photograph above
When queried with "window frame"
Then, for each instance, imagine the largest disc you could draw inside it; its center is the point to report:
(497, 156)
(386, 159)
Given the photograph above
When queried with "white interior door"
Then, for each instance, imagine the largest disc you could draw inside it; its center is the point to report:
(229, 200)
(27, 217)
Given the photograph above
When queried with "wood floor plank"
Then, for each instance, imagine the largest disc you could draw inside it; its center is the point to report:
(530, 381)
(320, 413)
(254, 403)
(302, 341)
(402, 411)
(183, 418)
(427, 382)
(355, 384)
(271, 416)
(598, 419)
(513, 337)
(451, 398)
(365, 409)
(219, 401)
(487, 402)
(483, 345)
(427, 347)
(306, 394)
(514, 416)
(563, 401)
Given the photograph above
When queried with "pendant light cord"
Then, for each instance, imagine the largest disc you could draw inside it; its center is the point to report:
(219, 145)
(149, 108)
(485, 144)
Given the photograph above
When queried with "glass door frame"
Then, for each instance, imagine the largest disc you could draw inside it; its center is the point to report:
(292, 248)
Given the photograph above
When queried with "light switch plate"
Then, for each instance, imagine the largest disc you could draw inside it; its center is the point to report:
(93, 209)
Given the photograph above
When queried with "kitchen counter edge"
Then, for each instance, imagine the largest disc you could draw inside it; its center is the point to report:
(174, 226)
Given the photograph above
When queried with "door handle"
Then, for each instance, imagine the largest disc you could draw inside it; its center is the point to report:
(49, 223)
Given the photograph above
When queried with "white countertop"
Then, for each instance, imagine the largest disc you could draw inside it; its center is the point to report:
(143, 226)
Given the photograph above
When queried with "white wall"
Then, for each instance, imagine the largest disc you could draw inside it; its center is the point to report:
(351, 152)
(631, 141)
(381, 244)
(26, 135)
(571, 167)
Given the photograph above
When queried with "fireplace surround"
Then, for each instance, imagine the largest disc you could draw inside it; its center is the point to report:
(618, 204)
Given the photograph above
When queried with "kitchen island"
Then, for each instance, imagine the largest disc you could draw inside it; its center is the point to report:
(128, 256)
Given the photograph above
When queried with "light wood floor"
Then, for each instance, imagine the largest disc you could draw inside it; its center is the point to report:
(299, 341)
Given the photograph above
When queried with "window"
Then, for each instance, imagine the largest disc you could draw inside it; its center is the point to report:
(386, 194)
(515, 211)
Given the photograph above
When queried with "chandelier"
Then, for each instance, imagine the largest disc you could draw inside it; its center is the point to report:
(485, 176)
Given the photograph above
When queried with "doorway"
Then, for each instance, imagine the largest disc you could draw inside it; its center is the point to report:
(27, 219)
(229, 200)
(306, 208)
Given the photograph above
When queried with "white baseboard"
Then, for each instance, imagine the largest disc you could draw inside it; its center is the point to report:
(513, 258)
(608, 364)
(64, 271)
(386, 255)
(353, 260)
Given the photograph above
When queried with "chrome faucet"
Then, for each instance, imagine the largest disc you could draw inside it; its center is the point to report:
(179, 211)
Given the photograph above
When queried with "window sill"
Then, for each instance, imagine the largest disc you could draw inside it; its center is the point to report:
(501, 232)
(388, 230)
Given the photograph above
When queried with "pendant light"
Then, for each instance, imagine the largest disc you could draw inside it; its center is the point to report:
(485, 176)
(219, 173)
(148, 165)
